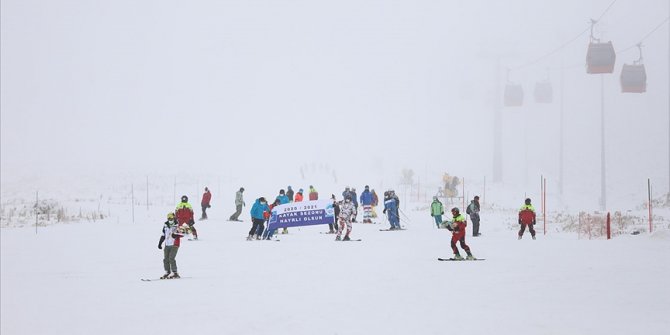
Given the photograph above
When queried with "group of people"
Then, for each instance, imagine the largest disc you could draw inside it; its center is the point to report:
(458, 224)
(181, 221)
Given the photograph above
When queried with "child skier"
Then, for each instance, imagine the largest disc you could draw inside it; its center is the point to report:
(267, 214)
(347, 211)
(527, 218)
(184, 212)
(171, 236)
(457, 226)
(436, 211)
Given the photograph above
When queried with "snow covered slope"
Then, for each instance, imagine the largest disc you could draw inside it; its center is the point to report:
(84, 278)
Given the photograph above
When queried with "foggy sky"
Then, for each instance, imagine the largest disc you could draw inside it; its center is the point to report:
(256, 89)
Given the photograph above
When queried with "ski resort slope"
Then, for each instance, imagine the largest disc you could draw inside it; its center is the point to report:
(84, 278)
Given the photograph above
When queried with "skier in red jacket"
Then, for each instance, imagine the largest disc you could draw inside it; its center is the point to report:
(527, 218)
(206, 197)
(457, 226)
(184, 213)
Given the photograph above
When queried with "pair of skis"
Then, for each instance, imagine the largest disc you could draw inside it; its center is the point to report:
(460, 259)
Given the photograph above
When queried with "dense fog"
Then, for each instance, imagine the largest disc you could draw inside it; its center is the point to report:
(275, 93)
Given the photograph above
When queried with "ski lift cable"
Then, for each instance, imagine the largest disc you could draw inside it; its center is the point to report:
(645, 36)
(568, 42)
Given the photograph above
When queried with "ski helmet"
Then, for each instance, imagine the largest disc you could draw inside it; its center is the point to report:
(184, 198)
(527, 201)
(170, 216)
(455, 211)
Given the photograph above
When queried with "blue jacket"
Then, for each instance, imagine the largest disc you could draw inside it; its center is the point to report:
(283, 199)
(366, 198)
(257, 209)
(391, 207)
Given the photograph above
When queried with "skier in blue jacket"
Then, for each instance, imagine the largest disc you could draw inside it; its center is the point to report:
(366, 202)
(257, 218)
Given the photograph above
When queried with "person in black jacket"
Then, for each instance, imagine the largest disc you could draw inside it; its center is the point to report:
(333, 226)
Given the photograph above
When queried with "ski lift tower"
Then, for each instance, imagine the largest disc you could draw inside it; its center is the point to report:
(600, 59)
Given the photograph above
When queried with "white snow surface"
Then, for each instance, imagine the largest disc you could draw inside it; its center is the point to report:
(84, 278)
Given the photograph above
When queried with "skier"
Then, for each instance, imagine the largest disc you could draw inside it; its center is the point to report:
(299, 196)
(347, 211)
(391, 211)
(289, 193)
(366, 202)
(436, 211)
(257, 218)
(375, 203)
(239, 203)
(473, 211)
(527, 218)
(397, 205)
(204, 203)
(354, 199)
(171, 236)
(458, 226)
(283, 199)
(332, 227)
(345, 193)
(267, 214)
(313, 194)
(184, 212)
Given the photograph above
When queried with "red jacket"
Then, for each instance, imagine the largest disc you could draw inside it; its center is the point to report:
(206, 197)
(313, 195)
(297, 197)
(184, 213)
(526, 217)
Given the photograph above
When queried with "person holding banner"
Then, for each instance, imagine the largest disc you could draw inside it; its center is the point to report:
(267, 214)
(283, 199)
(257, 217)
(347, 212)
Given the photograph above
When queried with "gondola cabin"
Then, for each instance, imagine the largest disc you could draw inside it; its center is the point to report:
(600, 58)
(633, 78)
(513, 95)
(543, 93)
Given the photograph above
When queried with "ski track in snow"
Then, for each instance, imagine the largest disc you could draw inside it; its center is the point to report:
(83, 278)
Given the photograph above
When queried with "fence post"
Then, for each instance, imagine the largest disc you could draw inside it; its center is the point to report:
(609, 230)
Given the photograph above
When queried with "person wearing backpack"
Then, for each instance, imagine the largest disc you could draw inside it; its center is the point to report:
(527, 218)
(436, 211)
(473, 211)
